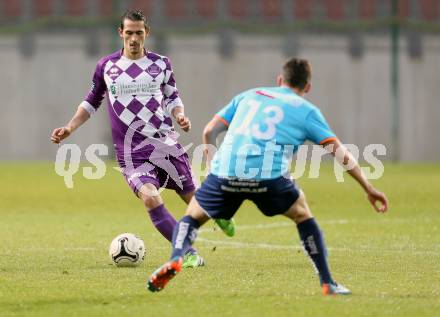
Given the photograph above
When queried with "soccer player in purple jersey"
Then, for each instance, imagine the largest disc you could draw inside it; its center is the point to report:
(142, 99)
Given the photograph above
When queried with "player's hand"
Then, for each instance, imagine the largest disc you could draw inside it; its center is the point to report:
(378, 200)
(60, 134)
(183, 122)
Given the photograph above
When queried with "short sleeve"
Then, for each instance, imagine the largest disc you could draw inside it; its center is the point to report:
(227, 112)
(318, 130)
(96, 94)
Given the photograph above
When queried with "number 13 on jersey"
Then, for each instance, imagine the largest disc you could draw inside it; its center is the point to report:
(267, 130)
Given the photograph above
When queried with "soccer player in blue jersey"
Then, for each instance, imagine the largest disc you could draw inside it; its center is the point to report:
(264, 126)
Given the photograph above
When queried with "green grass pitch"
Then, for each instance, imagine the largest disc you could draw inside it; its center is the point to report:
(54, 242)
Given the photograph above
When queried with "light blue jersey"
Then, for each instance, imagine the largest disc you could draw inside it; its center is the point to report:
(265, 127)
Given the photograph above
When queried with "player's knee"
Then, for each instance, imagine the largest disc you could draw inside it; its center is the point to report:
(301, 215)
(150, 197)
(151, 201)
(196, 212)
(299, 211)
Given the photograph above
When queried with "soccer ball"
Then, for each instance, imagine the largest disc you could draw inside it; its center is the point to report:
(127, 249)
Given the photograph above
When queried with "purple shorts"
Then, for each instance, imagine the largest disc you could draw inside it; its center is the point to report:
(170, 172)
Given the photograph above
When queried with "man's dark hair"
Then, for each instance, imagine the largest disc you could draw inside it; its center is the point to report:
(297, 73)
(134, 15)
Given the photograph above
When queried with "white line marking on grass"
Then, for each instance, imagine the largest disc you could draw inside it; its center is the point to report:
(277, 225)
(328, 222)
(238, 244)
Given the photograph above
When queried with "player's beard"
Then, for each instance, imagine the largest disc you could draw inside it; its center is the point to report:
(134, 49)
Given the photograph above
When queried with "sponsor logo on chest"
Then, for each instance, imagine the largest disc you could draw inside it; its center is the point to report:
(135, 88)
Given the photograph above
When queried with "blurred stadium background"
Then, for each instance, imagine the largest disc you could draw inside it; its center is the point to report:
(376, 77)
(376, 64)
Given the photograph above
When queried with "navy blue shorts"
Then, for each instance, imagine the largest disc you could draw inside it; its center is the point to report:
(221, 197)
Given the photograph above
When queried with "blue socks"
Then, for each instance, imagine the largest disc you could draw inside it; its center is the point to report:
(185, 232)
(313, 242)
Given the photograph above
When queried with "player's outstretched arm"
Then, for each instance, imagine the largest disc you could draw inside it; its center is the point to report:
(77, 120)
(377, 199)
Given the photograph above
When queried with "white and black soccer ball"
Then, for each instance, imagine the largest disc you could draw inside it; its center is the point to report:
(127, 249)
